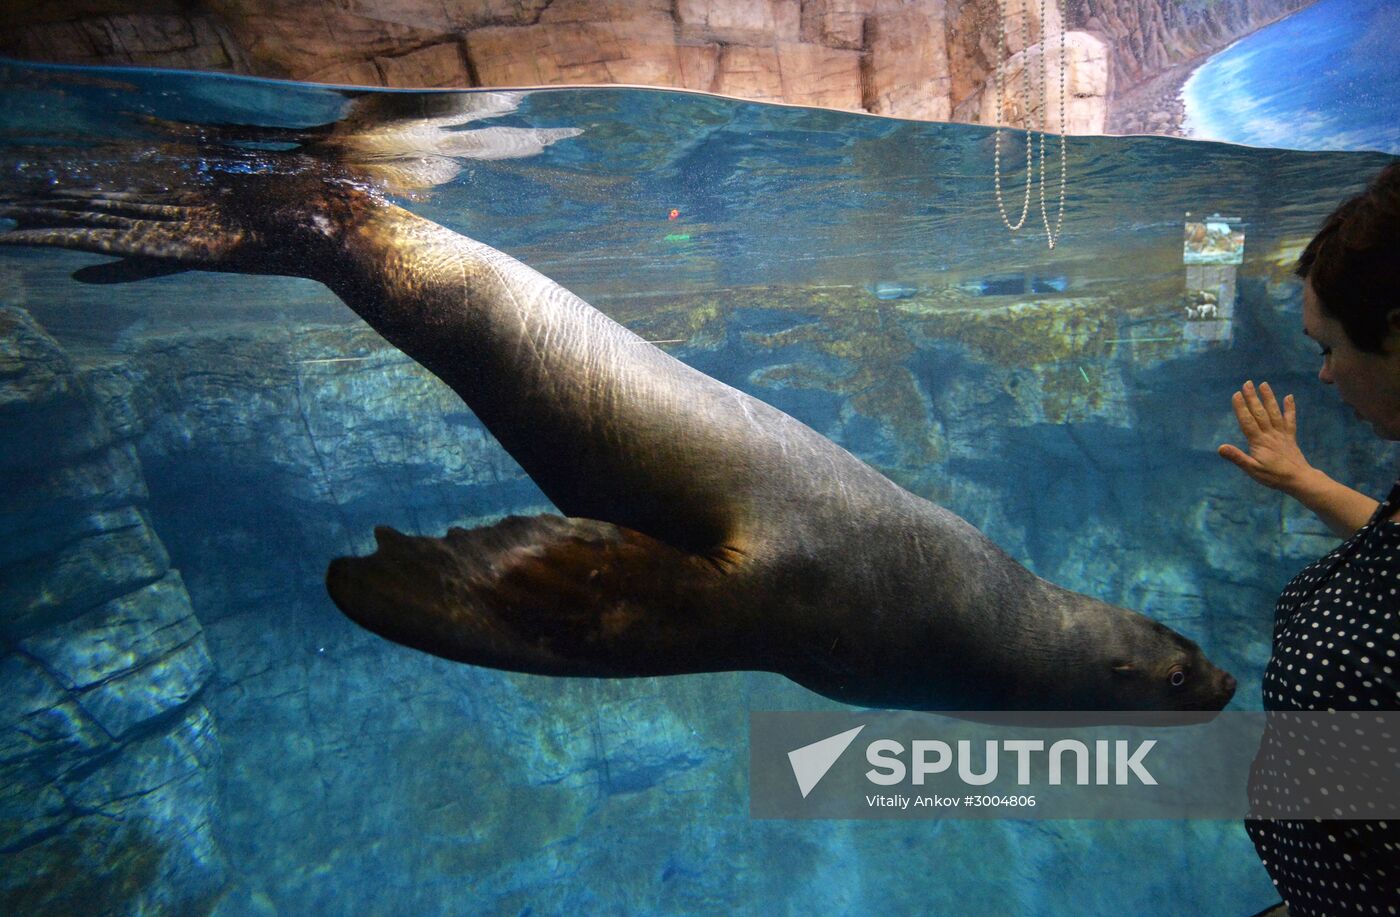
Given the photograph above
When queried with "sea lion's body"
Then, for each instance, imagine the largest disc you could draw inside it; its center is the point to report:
(704, 530)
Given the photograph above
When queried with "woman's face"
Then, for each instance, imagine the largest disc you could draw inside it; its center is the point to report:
(1368, 383)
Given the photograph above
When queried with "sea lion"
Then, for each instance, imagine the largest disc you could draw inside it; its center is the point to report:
(704, 530)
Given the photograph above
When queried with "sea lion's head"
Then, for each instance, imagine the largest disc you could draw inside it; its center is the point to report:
(1144, 665)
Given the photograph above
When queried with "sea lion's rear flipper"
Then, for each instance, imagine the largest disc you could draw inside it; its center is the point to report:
(544, 594)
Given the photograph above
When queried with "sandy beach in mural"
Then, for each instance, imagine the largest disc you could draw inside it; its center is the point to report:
(1154, 106)
(1157, 105)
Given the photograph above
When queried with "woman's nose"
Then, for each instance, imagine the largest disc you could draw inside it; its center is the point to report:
(1324, 374)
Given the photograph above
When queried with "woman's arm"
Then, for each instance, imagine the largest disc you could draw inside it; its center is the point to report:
(1275, 461)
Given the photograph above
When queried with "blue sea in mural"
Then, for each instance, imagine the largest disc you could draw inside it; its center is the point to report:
(188, 725)
(1325, 78)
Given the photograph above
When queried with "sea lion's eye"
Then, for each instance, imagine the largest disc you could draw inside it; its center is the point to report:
(1177, 676)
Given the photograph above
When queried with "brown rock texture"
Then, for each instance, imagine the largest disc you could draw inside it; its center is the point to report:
(930, 59)
(906, 67)
(1040, 91)
(742, 22)
(579, 42)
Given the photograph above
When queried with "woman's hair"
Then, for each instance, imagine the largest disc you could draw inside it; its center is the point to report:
(1354, 261)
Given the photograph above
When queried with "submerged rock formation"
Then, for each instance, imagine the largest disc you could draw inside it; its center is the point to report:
(107, 752)
(928, 59)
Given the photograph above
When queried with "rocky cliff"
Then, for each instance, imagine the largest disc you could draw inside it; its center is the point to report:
(928, 59)
(1147, 38)
(1154, 46)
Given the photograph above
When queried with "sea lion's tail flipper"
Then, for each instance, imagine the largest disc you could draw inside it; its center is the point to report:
(544, 594)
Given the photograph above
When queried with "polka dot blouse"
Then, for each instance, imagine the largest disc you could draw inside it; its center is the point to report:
(1336, 647)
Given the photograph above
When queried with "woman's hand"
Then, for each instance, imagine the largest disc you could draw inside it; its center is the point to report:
(1274, 458)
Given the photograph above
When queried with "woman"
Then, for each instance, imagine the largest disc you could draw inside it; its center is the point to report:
(1335, 644)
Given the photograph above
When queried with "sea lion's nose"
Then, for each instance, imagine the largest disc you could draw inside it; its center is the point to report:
(1228, 685)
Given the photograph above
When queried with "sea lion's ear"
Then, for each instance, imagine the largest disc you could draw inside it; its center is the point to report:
(544, 594)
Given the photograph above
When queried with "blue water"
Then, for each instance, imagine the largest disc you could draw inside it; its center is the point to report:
(1326, 78)
(850, 270)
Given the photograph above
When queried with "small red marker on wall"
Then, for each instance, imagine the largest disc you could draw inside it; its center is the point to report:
(674, 214)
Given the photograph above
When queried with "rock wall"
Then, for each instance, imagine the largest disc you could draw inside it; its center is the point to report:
(929, 59)
(108, 755)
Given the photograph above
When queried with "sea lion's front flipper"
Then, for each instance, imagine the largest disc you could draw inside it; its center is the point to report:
(152, 235)
(127, 270)
(544, 594)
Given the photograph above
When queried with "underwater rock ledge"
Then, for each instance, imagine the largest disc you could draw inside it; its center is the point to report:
(108, 756)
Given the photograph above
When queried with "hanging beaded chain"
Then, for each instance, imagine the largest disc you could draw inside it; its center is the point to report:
(1052, 236)
(1000, 108)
